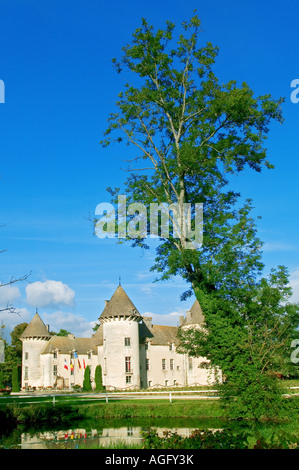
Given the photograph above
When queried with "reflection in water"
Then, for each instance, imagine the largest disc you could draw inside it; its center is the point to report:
(73, 438)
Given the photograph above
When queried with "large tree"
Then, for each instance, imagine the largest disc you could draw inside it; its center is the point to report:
(191, 132)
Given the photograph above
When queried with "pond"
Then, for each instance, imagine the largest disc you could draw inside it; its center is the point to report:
(100, 433)
(125, 433)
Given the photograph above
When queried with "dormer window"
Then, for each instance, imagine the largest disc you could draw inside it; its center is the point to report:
(127, 341)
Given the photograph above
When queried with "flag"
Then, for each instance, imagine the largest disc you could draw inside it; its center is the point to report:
(65, 365)
(75, 355)
(84, 363)
(72, 367)
(79, 364)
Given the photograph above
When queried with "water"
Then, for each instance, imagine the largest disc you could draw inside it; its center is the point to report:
(129, 433)
(76, 438)
(93, 434)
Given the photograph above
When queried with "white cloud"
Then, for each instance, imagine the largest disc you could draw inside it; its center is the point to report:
(8, 294)
(75, 324)
(168, 319)
(49, 294)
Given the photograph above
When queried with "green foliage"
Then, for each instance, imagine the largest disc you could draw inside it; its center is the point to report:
(249, 338)
(15, 338)
(15, 379)
(190, 133)
(39, 415)
(62, 332)
(98, 378)
(222, 439)
(199, 439)
(1, 379)
(13, 354)
(87, 380)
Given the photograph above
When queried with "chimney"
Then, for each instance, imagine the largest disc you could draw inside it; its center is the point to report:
(48, 327)
(188, 317)
(148, 322)
(181, 318)
(106, 303)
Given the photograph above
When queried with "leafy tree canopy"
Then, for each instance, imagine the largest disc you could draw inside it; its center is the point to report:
(191, 132)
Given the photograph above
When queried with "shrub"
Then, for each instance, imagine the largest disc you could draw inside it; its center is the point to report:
(87, 380)
(98, 378)
(199, 439)
(15, 379)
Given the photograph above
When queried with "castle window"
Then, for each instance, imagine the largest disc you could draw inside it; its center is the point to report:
(26, 373)
(166, 383)
(54, 370)
(127, 341)
(147, 363)
(128, 379)
(89, 355)
(55, 354)
(128, 364)
(171, 364)
(163, 364)
(170, 346)
(26, 355)
(190, 363)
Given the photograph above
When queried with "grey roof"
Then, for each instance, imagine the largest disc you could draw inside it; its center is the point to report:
(157, 334)
(97, 337)
(194, 316)
(163, 335)
(66, 344)
(36, 329)
(119, 305)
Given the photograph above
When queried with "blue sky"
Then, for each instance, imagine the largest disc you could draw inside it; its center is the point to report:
(60, 87)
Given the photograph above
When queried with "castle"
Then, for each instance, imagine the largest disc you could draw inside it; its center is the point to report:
(132, 352)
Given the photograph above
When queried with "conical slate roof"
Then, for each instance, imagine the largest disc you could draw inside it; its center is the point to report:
(119, 305)
(194, 316)
(36, 329)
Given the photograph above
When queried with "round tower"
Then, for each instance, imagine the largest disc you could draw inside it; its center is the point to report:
(34, 338)
(120, 361)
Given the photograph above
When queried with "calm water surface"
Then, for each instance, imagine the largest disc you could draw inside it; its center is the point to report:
(111, 433)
